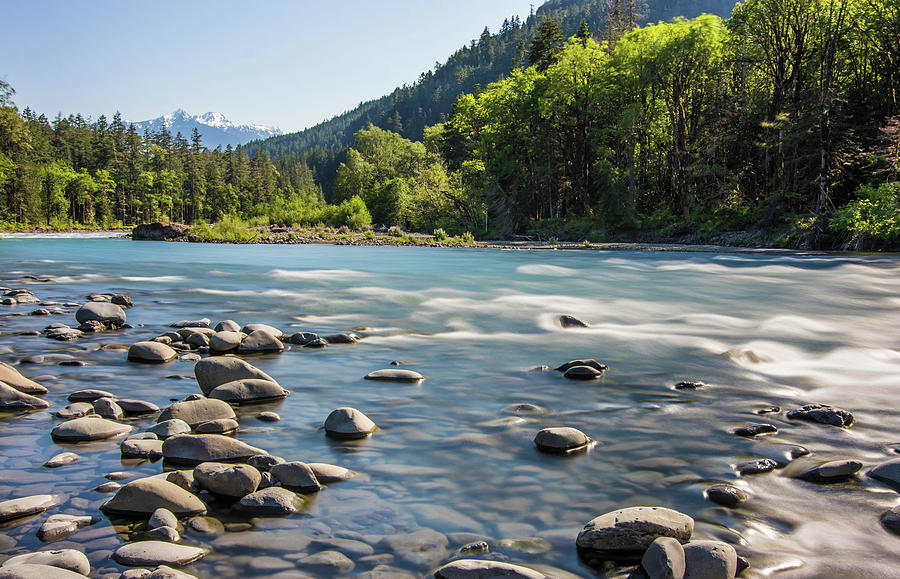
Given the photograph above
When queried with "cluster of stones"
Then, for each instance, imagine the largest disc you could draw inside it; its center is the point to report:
(227, 337)
(103, 312)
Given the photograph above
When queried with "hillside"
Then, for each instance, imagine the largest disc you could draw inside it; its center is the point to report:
(429, 100)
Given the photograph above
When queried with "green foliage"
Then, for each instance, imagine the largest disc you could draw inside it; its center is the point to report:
(547, 44)
(440, 235)
(875, 212)
(229, 229)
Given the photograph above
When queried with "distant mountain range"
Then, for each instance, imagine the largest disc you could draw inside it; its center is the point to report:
(214, 128)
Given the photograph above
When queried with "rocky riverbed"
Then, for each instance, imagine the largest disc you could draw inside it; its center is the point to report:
(198, 473)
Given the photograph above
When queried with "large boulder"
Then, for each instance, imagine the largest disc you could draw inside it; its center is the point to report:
(330, 473)
(68, 559)
(260, 342)
(143, 496)
(197, 411)
(626, 533)
(12, 377)
(24, 506)
(217, 370)
(476, 569)
(106, 313)
(248, 390)
(348, 423)
(230, 480)
(160, 232)
(12, 399)
(197, 448)
(151, 353)
(90, 427)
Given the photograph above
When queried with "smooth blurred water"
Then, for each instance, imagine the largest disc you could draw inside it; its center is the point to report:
(452, 454)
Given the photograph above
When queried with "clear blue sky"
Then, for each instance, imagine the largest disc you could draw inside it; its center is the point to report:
(275, 62)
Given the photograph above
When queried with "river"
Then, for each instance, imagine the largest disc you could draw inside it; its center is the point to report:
(454, 453)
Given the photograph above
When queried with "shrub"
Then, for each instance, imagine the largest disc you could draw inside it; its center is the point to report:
(875, 212)
(440, 235)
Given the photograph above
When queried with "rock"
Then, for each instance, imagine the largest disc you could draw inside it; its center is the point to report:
(477, 569)
(160, 231)
(40, 312)
(137, 573)
(561, 440)
(758, 466)
(11, 377)
(572, 322)
(201, 323)
(143, 496)
(348, 423)
(248, 390)
(329, 473)
(206, 525)
(108, 487)
(217, 370)
(62, 459)
(726, 495)
(162, 517)
(12, 399)
(25, 506)
(75, 410)
(197, 411)
(166, 572)
(106, 313)
(303, 338)
(690, 385)
(272, 501)
(349, 547)
(888, 473)
(296, 475)
(32, 571)
(228, 326)
(64, 334)
(151, 352)
(709, 560)
(197, 448)
(91, 326)
(752, 430)
(88, 428)
(230, 480)
(829, 472)
(68, 559)
(197, 340)
(89, 395)
(218, 426)
(664, 559)
(107, 408)
(395, 375)
(122, 300)
(184, 334)
(822, 414)
(891, 520)
(170, 427)
(268, 416)
(590, 362)
(627, 533)
(328, 561)
(183, 479)
(420, 549)
(344, 338)
(582, 373)
(225, 341)
(250, 328)
(58, 527)
(156, 553)
(264, 462)
(260, 341)
(164, 533)
(141, 448)
(136, 407)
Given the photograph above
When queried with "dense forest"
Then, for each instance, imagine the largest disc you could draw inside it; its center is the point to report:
(781, 119)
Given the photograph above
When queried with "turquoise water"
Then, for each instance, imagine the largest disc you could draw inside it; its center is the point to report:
(452, 454)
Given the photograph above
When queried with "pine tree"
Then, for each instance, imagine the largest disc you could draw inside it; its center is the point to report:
(547, 44)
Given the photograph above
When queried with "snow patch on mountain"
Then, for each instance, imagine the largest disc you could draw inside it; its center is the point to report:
(216, 130)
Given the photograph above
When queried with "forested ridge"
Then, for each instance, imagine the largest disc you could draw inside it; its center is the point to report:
(778, 122)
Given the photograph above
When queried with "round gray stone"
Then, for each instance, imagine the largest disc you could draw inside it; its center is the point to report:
(12, 399)
(726, 495)
(250, 328)
(248, 390)
(589, 362)
(136, 407)
(561, 439)
(162, 517)
(228, 326)
(197, 411)
(231, 480)
(107, 408)
(151, 553)
(296, 475)
(75, 410)
(330, 473)
(88, 428)
(582, 373)
(272, 501)
(62, 459)
(89, 395)
(104, 312)
(218, 426)
(888, 473)
(143, 496)
(12, 377)
(141, 448)
(833, 471)
(225, 341)
(664, 559)
(630, 530)
(24, 506)
(395, 375)
(68, 559)
(709, 560)
(260, 341)
(197, 448)
(151, 353)
(217, 370)
(823, 414)
(477, 569)
(32, 571)
(348, 423)
(170, 427)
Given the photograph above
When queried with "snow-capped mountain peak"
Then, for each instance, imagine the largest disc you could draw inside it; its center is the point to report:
(216, 130)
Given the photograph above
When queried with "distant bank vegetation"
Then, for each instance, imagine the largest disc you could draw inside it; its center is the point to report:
(780, 120)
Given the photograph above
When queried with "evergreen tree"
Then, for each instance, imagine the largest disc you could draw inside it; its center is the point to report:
(547, 44)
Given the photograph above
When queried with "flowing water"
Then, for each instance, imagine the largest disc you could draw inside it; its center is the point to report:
(455, 453)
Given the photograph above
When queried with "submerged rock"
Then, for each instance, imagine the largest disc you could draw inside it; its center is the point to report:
(627, 533)
(156, 553)
(272, 501)
(829, 472)
(752, 430)
(478, 569)
(348, 423)
(758, 466)
(891, 520)
(89, 395)
(888, 473)
(330, 473)
(58, 527)
(62, 459)
(726, 495)
(567, 321)
(296, 475)
(68, 559)
(561, 440)
(688, 385)
(24, 506)
(32, 571)
(88, 428)
(590, 362)
(583, 373)
(823, 414)
(395, 375)
(421, 548)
